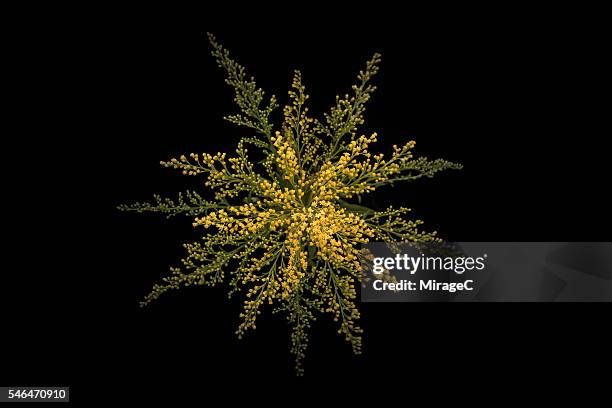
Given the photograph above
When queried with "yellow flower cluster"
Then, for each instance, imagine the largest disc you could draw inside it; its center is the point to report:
(286, 159)
(324, 226)
(282, 226)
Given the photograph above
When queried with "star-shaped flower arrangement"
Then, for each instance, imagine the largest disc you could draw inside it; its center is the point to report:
(278, 226)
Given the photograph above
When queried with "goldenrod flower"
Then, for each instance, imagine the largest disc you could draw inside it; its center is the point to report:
(283, 230)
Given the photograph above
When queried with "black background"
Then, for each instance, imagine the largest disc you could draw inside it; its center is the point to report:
(514, 99)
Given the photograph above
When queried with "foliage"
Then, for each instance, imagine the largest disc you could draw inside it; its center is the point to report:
(281, 230)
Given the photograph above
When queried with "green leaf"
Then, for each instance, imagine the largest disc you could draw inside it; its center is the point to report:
(356, 208)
